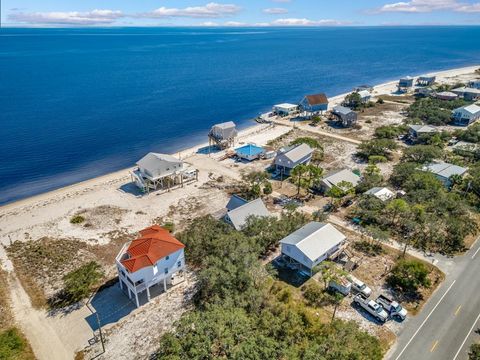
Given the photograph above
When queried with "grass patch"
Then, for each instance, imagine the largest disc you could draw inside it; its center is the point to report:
(368, 247)
(40, 265)
(5, 311)
(14, 346)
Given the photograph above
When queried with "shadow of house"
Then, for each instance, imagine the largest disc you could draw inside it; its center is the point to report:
(111, 305)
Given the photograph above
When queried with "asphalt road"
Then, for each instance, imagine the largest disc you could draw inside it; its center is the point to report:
(445, 328)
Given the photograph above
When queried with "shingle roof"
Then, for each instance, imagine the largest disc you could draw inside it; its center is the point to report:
(154, 244)
(317, 99)
(444, 169)
(239, 215)
(315, 239)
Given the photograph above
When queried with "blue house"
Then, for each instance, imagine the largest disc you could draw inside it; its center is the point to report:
(314, 103)
(250, 152)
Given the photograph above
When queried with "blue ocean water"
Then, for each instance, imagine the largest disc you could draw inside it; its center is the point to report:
(78, 103)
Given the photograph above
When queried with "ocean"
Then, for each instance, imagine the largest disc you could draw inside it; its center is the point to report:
(79, 103)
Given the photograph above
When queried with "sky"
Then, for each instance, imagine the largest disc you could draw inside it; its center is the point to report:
(66, 13)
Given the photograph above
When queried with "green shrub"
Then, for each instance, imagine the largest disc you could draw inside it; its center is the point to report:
(77, 219)
(170, 226)
(474, 353)
(313, 143)
(78, 284)
(12, 344)
(409, 275)
(369, 248)
(267, 189)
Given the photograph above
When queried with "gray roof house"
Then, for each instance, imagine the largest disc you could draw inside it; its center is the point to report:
(468, 94)
(311, 244)
(365, 95)
(415, 131)
(345, 115)
(154, 165)
(239, 210)
(224, 134)
(290, 157)
(466, 115)
(446, 95)
(165, 171)
(444, 171)
(335, 178)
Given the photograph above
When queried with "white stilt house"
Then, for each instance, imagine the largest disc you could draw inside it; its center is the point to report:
(223, 135)
(155, 260)
(161, 171)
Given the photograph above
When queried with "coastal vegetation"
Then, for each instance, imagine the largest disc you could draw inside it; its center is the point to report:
(433, 111)
(409, 275)
(78, 284)
(430, 216)
(377, 150)
(13, 344)
(77, 219)
(243, 312)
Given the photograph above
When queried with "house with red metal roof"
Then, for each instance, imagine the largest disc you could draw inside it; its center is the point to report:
(155, 260)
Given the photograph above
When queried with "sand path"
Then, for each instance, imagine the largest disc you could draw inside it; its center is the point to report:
(44, 340)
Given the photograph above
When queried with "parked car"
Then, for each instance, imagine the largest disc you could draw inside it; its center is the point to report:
(393, 307)
(372, 307)
(359, 286)
(341, 285)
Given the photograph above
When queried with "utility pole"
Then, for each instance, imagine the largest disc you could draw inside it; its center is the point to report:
(100, 330)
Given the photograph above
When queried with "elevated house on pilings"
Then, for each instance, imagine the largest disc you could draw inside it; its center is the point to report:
(150, 264)
(162, 172)
(223, 135)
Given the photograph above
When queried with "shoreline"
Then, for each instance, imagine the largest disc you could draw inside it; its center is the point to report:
(116, 176)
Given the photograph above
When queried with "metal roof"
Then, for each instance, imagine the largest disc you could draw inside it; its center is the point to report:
(298, 152)
(250, 150)
(317, 99)
(342, 110)
(333, 179)
(381, 193)
(235, 202)
(445, 170)
(239, 215)
(364, 93)
(472, 109)
(315, 239)
(159, 164)
(423, 128)
(225, 125)
(286, 106)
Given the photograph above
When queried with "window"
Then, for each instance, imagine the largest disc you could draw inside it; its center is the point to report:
(167, 257)
(166, 270)
(179, 264)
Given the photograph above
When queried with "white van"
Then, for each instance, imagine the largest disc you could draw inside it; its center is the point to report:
(359, 286)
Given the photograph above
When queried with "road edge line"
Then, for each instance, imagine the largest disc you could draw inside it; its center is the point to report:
(424, 321)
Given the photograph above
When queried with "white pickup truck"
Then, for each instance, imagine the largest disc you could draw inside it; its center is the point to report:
(393, 307)
(372, 307)
(359, 286)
